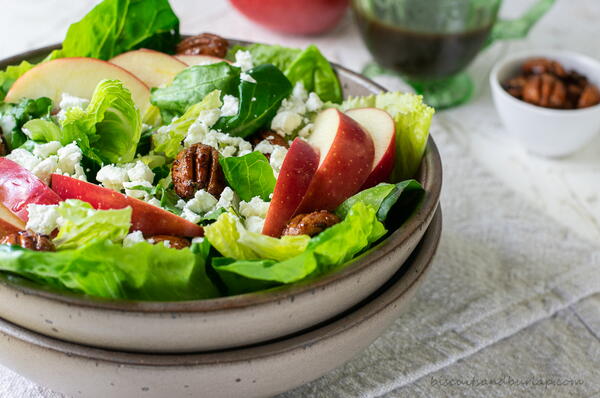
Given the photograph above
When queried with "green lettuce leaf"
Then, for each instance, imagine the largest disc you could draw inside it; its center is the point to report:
(232, 240)
(10, 75)
(258, 101)
(14, 116)
(249, 175)
(262, 54)
(116, 26)
(41, 130)
(108, 270)
(80, 224)
(192, 84)
(168, 139)
(109, 129)
(413, 119)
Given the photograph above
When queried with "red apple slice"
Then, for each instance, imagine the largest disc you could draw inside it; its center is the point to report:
(191, 60)
(9, 222)
(299, 166)
(382, 129)
(346, 160)
(20, 188)
(154, 68)
(149, 219)
(75, 76)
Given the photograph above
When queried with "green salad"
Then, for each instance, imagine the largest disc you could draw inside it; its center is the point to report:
(138, 165)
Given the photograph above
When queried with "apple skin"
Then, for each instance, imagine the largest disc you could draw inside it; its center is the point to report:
(149, 219)
(20, 188)
(191, 60)
(153, 68)
(9, 222)
(78, 77)
(382, 129)
(346, 159)
(304, 17)
(297, 171)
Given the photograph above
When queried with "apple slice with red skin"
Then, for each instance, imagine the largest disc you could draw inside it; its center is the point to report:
(154, 68)
(9, 222)
(346, 160)
(382, 129)
(299, 166)
(20, 188)
(149, 219)
(191, 60)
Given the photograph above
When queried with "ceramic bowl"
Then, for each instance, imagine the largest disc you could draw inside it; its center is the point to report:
(228, 322)
(544, 131)
(259, 371)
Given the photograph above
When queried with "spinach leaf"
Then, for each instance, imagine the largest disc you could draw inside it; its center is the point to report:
(14, 116)
(258, 101)
(249, 175)
(116, 26)
(191, 85)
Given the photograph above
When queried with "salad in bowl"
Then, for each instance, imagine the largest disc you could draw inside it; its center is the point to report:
(136, 164)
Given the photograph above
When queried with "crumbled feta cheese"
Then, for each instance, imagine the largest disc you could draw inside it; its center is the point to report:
(199, 239)
(292, 104)
(265, 147)
(202, 202)
(228, 199)
(284, 123)
(7, 123)
(299, 92)
(180, 204)
(79, 173)
(133, 238)
(24, 158)
(191, 216)
(69, 101)
(306, 130)
(243, 60)
(45, 168)
(314, 103)
(69, 158)
(256, 207)
(137, 193)
(247, 78)
(209, 116)
(45, 150)
(140, 172)
(42, 218)
(255, 224)
(230, 106)
(112, 177)
(277, 158)
(224, 143)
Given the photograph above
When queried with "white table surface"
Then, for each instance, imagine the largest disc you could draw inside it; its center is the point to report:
(566, 190)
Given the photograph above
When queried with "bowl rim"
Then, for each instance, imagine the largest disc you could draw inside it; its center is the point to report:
(418, 265)
(521, 56)
(430, 171)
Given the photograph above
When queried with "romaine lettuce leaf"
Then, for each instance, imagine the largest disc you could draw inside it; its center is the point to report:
(192, 84)
(413, 119)
(258, 101)
(10, 75)
(80, 224)
(41, 130)
(116, 26)
(105, 269)
(14, 116)
(110, 127)
(249, 175)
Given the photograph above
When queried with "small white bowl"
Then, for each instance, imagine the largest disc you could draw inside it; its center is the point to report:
(544, 131)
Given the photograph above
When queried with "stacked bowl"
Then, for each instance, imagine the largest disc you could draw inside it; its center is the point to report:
(256, 344)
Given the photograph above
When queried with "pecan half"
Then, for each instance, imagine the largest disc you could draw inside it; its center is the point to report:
(540, 66)
(311, 224)
(590, 96)
(3, 146)
(203, 44)
(545, 90)
(198, 168)
(270, 136)
(29, 240)
(515, 86)
(175, 242)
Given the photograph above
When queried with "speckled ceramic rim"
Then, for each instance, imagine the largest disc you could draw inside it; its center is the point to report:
(430, 175)
(404, 281)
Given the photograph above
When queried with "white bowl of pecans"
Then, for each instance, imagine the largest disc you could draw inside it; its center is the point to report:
(549, 100)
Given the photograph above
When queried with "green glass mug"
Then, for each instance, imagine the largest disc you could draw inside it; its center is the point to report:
(430, 42)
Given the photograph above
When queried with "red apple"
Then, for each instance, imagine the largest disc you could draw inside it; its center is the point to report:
(295, 176)
(20, 188)
(9, 222)
(382, 129)
(346, 160)
(154, 68)
(149, 219)
(294, 16)
(200, 59)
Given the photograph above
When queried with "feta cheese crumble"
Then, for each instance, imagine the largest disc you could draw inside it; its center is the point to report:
(243, 60)
(294, 113)
(254, 213)
(43, 219)
(277, 158)
(247, 78)
(230, 106)
(69, 101)
(133, 238)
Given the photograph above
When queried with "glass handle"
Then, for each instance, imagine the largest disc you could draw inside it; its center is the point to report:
(518, 28)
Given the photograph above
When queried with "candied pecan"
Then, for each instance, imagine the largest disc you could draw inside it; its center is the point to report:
(545, 90)
(269, 135)
(175, 242)
(198, 168)
(203, 44)
(515, 86)
(29, 240)
(311, 224)
(590, 96)
(539, 66)
(3, 146)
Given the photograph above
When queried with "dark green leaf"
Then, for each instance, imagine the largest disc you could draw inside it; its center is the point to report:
(249, 175)
(19, 114)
